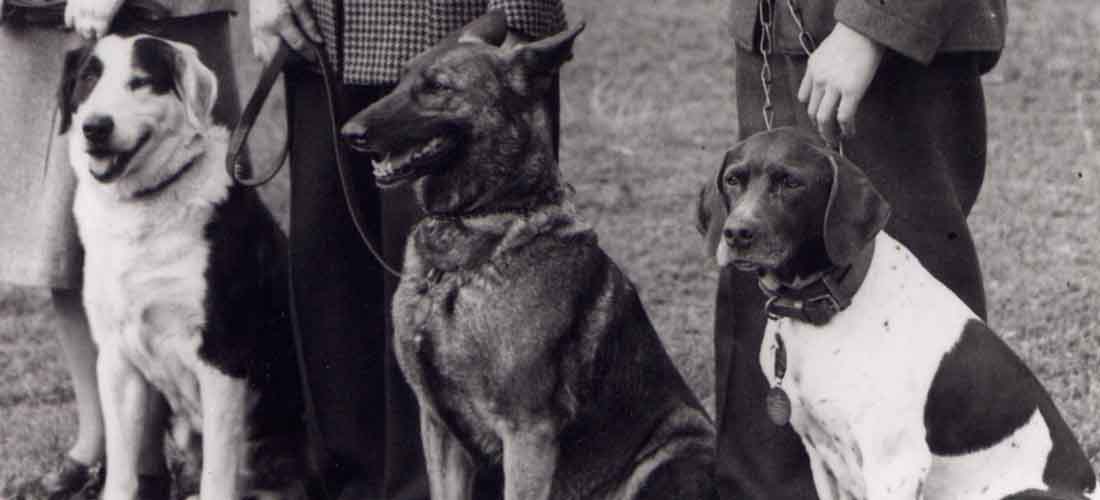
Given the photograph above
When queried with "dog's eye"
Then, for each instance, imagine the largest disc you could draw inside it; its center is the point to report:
(139, 82)
(790, 182)
(733, 181)
(434, 85)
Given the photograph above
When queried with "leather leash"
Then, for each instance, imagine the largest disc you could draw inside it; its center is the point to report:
(241, 173)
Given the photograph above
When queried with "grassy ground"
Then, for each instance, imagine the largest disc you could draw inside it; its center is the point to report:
(647, 112)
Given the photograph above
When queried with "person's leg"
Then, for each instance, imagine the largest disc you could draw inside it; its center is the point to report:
(906, 145)
(80, 358)
(338, 292)
(921, 140)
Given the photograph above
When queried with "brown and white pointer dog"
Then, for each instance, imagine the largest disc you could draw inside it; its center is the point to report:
(897, 389)
(525, 344)
(184, 274)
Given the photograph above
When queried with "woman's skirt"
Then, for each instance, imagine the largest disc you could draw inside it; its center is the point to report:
(38, 241)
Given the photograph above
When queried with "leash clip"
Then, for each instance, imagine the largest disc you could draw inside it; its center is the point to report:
(768, 308)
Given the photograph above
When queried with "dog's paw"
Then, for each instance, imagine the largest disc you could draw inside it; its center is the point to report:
(91, 18)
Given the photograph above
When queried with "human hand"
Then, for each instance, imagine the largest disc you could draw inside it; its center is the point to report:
(91, 18)
(837, 75)
(275, 20)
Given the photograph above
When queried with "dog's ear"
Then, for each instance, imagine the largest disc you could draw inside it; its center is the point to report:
(856, 212)
(74, 60)
(196, 85)
(192, 81)
(713, 208)
(538, 60)
(490, 28)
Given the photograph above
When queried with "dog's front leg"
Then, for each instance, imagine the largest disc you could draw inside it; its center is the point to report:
(224, 409)
(451, 471)
(126, 398)
(530, 459)
(824, 479)
(895, 467)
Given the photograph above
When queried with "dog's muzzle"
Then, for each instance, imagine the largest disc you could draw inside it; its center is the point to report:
(116, 161)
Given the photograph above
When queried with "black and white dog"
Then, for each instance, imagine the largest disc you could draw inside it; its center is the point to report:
(185, 273)
(897, 389)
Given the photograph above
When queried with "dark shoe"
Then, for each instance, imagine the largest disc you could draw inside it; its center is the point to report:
(154, 487)
(71, 480)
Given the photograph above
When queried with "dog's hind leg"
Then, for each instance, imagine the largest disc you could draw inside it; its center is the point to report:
(127, 399)
(451, 471)
(530, 459)
(225, 403)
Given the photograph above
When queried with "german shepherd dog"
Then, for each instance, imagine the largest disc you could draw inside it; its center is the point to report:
(184, 273)
(526, 345)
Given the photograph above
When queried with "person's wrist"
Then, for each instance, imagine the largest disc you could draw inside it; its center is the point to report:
(856, 38)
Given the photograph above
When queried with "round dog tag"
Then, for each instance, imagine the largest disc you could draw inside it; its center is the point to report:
(778, 406)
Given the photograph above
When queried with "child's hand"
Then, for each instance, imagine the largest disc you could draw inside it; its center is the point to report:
(275, 20)
(91, 18)
(837, 75)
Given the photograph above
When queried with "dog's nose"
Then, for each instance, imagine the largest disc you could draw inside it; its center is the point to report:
(740, 237)
(98, 128)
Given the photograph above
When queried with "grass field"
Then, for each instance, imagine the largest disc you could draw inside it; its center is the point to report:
(648, 111)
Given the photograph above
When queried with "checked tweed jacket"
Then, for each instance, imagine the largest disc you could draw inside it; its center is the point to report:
(378, 36)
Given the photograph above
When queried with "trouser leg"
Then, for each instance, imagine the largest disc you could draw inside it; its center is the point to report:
(339, 296)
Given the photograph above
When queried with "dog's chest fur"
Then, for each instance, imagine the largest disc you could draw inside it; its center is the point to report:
(145, 282)
(908, 372)
(458, 311)
(189, 278)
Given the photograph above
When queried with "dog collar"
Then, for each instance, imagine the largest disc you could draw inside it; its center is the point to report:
(825, 295)
(162, 185)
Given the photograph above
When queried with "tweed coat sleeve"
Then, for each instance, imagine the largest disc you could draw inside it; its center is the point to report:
(377, 37)
(535, 18)
(919, 28)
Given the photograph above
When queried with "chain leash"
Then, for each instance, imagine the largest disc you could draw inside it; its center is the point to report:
(766, 16)
(766, 12)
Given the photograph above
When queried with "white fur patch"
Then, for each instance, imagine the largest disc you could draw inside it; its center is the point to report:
(858, 387)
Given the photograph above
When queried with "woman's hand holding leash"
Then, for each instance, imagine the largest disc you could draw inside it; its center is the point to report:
(275, 20)
(837, 75)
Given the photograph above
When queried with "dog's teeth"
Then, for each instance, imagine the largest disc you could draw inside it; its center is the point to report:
(382, 168)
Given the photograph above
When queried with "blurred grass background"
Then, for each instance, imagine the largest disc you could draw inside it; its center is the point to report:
(647, 112)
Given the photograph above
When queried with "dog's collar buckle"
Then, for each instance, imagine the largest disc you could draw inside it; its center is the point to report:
(817, 302)
(816, 310)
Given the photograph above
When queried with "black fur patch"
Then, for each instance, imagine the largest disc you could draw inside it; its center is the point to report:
(982, 393)
(247, 331)
(78, 78)
(157, 59)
